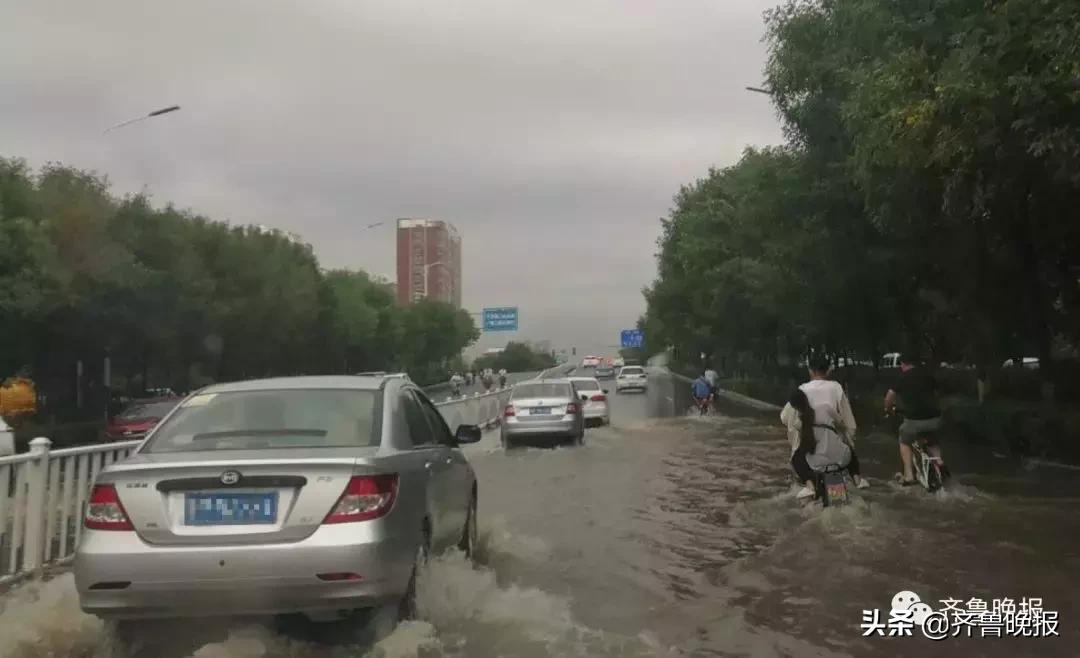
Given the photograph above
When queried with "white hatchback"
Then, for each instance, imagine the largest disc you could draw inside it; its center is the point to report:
(631, 378)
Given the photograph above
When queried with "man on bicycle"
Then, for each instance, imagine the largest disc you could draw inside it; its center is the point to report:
(702, 392)
(916, 391)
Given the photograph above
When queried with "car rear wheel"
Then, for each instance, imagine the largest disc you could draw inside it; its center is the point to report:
(407, 608)
(470, 533)
(142, 638)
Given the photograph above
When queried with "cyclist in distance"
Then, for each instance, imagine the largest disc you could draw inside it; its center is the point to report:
(702, 391)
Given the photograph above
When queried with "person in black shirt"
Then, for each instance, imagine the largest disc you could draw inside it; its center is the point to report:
(916, 392)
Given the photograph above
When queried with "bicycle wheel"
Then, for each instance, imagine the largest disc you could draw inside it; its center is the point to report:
(918, 465)
(933, 477)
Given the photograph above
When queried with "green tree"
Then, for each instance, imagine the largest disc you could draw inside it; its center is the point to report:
(515, 357)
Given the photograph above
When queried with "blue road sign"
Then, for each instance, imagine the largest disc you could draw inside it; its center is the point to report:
(632, 338)
(504, 318)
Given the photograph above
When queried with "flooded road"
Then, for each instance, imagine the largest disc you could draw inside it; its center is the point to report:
(672, 535)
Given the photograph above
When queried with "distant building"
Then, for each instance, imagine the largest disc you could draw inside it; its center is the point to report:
(428, 261)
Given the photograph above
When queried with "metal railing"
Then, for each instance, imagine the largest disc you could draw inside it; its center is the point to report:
(43, 492)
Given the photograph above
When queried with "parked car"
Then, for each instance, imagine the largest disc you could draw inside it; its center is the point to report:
(595, 400)
(138, 418)
(631, 378)
(604, 372)
(545, 409)
(312, 495)
(1030, 363)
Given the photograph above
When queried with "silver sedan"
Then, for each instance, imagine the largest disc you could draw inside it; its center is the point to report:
(312, 495)
(545, 409)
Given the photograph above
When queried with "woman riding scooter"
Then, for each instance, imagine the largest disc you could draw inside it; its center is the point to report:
(817, 441)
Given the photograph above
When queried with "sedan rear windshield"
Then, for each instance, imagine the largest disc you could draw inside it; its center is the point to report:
(259, 420)
(587, 385)
(541, 391)
(631, 371)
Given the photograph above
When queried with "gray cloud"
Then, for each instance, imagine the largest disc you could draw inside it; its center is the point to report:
(553, 134)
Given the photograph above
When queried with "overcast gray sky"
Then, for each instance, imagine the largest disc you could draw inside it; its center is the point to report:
(553, 134)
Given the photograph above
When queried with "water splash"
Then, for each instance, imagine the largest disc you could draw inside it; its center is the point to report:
(44, 619)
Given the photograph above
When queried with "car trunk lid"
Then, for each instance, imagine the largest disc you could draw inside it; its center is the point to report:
(235, 497)
(539, 408)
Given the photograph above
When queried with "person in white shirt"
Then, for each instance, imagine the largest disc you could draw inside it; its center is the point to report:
(455, 384)
(830, 437)
(712, 377)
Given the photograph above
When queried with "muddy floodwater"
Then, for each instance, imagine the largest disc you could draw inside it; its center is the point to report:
(672, 535)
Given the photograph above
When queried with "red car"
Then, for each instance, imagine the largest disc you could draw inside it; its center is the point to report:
(138, 418)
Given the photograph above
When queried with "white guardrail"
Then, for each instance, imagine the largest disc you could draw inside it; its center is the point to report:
(43, 491)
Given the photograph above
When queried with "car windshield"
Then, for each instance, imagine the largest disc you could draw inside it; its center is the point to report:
(257, 420)
(587, 385)
(631, 371)
(148, 410)
(541, 391)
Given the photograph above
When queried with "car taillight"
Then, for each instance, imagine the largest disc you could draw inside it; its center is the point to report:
(366, 497)
(572, 408)
(104, 511)
(599, 397)
(509, 411)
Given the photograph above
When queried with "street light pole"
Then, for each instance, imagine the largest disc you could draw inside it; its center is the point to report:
(155, 113)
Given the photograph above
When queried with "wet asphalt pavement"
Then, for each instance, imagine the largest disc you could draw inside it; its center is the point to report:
(672, 535)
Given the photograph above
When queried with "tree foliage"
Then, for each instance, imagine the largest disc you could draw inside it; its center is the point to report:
(924, 200)
(516, 357)
(176, 299)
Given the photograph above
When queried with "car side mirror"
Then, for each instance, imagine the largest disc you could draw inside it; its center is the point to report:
(468, 434)
(584, 396)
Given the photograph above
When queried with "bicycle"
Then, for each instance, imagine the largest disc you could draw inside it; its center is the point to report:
(704, 405)
(928, 469)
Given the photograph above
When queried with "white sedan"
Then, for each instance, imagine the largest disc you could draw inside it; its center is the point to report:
(595, 399)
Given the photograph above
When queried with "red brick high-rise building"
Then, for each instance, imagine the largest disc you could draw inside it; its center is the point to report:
(428, 261)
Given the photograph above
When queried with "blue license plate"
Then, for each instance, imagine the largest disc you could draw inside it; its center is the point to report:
(230, 508)
(540, 411)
